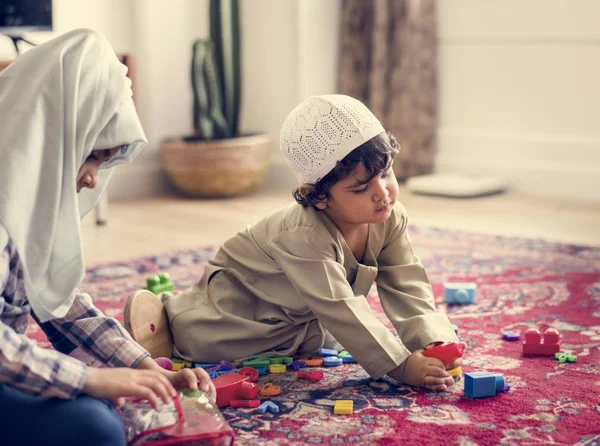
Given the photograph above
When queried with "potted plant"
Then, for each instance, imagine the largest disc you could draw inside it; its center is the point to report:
(216, 161)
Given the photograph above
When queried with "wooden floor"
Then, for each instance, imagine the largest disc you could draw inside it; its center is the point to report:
(151, 226)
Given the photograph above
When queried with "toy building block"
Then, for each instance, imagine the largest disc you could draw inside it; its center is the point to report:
(326, 352)
(565, 357)
(483, 384)
(257, 362)
(250, 372)
(270, 390)
(332, 361)
(312, 361)
(511, 336)
(275, 359)
(234, 386)
(343, 407)
(316, 375)
(226, 365)
(287, 360)
(261, 370)
(245, 403)
(297, 365)
(459, 293)
(268, 406)
(277, 368)
(159, 284)
(346, 356)
(177, 366)
(455, 373)
(533, 345)
(447, 352)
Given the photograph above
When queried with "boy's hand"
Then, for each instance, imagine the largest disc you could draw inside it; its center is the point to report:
(115, 384)
(192, 379)
(421, 371)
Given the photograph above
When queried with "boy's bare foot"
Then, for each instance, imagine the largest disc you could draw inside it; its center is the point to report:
(421, 371)
(146, 321)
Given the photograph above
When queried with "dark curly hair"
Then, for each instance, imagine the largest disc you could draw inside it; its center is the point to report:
(376, 155)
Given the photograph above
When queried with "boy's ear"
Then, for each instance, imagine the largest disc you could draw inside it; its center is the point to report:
(306, 189)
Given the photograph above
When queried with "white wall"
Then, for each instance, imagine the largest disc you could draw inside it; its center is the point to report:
(520, 93)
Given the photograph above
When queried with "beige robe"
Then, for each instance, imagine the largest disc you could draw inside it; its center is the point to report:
(282, 284)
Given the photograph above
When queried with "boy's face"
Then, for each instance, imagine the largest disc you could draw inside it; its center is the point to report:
(354, 202)
(88, 172)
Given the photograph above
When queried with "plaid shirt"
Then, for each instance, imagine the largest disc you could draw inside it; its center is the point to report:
(39, 371)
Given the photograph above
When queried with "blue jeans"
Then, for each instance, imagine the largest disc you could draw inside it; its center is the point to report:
(34, 420)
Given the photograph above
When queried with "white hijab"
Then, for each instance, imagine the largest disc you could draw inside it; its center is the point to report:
(58, 102)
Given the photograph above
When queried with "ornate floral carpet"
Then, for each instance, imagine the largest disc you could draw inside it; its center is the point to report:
(522, 283)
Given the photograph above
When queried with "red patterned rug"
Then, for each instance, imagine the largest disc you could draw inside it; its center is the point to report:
(521, 283)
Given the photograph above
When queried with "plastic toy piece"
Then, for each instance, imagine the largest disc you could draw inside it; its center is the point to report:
(257, 362)
(447, 352)
(268, 406)
(459, 293)
(250, 372)
(275, 359)
(234, 386)
(270, 390)
(244, 403)
(287, 360)
(455, 373)
(159, 284)
(261, 370)
(165, 363)
(177, 366)
(483, 384)
(346, 356)
(565, 357)
(226, 365)
(533, 345)
(185, 363)
(332, 361)
(327, 352)
(277, 368)
(316, 375)
(312, 361)
(511, 336)
(297, 365)
(343, 407)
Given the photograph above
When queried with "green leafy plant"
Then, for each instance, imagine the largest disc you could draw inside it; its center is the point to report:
(216, 74)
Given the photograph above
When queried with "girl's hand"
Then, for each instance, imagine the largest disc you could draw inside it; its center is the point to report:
(115, 384)
(192, 379)
(421, 371)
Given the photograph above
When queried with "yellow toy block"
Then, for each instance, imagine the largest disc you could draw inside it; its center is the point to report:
(343, 407)
(277, 368)
(178, 366)
(455, 373)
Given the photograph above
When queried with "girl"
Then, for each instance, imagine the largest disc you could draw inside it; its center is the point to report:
(67, 118)
(297, 280)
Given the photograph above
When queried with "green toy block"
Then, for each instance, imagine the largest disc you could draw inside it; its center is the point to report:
(257, 362)
(275, 359)
(159, 284)
(565, 357)
(287, 359)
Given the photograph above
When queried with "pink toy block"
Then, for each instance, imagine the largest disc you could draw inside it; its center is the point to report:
(533, 344)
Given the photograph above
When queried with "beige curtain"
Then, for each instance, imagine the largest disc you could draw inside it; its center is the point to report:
(388, 59)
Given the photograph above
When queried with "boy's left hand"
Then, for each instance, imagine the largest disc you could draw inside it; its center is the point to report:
(192, 379)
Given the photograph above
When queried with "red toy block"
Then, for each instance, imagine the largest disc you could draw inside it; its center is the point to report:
(244, 403)
(447, 352)
(533, 344)
(234, 387)
(317, 375)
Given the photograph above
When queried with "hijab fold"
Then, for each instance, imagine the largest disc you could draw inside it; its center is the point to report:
(58, 102)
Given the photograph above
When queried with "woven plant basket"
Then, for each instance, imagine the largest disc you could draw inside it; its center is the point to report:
(218, 168)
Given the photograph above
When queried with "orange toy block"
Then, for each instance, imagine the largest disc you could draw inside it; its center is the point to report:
(533, 344)
(312, 361)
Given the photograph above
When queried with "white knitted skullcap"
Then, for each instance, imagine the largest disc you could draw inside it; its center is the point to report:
(322, 130)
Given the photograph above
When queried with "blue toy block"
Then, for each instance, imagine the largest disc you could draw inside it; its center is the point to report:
(483, 384)
(332, 361)
(511, 336)
(326, 352)
(268, 406)
(346, 357)
(261, 370)
(459, 293)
